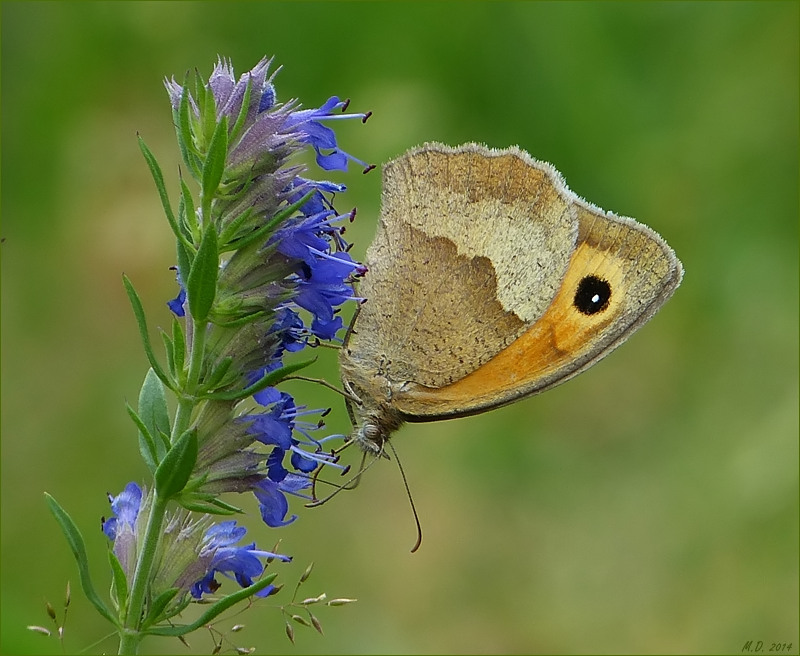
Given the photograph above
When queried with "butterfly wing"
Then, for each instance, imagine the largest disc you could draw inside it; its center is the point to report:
(490, 281)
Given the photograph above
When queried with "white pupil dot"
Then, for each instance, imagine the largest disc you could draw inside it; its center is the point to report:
(596, 298)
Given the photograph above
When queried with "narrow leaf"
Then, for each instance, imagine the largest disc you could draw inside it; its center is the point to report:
(210, 502)
(243, 111)
(190, 217)
(147, 443)
(270, 226)
(138, 311)
(208, 111)
(229, 233)
(76, 543)
(184, 128)
(184, 257)
(243, 319)
(216, 376)
(214, 166)
(175, 469)
(227, 508)
(120, 582)
(201, 285)
(215, 609)
(179, 344)
(156, 609)
(153, 410)
(169, 351)
(165, 440)
(158, 178)
(209, 507)
(271, 379)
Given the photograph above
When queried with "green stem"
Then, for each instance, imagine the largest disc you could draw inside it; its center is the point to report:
(196, 355)
(187, 401)
(130, 636)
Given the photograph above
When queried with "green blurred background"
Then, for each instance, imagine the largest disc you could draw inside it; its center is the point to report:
(649, 506)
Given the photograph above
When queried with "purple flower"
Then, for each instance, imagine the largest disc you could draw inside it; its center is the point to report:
(275, 265)
(317, 203)
(274, 504)
(271, 496)
(241, 563)
(192, 552)
(321, 281)
(321, 137)
(121, 528)
(274, 426)
(177, 303)
(126, 508)
(291, 329)
(301, 238)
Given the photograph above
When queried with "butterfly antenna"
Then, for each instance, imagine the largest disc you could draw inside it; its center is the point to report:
(349, 485)
(315, 477)
(418, 543)
(348, 396)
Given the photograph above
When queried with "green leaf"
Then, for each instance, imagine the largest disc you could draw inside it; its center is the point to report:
(228, 235)
(192, 486)
(76, 543)
(185, 137)
(210, 507)
(201, 284)
(138, 311)
(147, 443)
(165, 441)
(156, 609)
(179, 345)
(175, 469)
(153, 411)
(208, 111)
(271, 379)
(214, 610)
(227, 508)
(237, 126)
(214, 166)
(184, 257)
(169, 350)
(268, 227)
(190, 216)
(120, 582)
(216, 376)
(241, 320)
(158, 178)
(208, 502)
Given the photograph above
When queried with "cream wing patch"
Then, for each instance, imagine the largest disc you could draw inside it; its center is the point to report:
(465, 258)
(499, 204)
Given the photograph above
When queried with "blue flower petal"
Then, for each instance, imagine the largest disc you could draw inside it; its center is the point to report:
(126, 508)
(275, 469)
(301, 463)
(274, 505)
(335, 161)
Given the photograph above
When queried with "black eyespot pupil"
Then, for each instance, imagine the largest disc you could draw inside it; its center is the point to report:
(592, 295)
